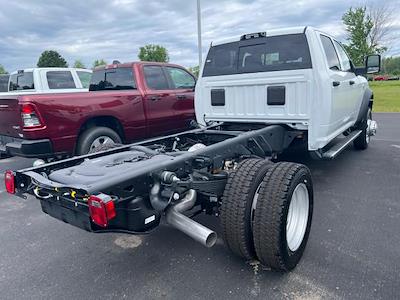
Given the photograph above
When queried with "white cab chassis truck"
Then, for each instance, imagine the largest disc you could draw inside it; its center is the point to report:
(257, 95)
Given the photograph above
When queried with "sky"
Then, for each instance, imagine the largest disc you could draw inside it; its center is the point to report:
(115, 29)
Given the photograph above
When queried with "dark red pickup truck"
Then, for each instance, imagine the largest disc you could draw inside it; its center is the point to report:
(125, 102)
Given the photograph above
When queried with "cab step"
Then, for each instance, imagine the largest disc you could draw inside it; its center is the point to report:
(342, 144)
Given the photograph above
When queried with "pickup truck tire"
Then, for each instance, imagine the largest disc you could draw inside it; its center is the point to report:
(362, 141)
(283, 215)
(101, 135)
(236, 206)
(105, 147)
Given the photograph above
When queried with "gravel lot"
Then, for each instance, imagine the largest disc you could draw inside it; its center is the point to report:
(353, 251)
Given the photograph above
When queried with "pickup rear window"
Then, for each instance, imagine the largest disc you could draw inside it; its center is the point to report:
(4, 83)
(112, 79)
(274, 53)
(60, 80)
(22, 81)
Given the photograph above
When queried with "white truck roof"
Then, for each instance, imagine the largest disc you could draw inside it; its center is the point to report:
(269, 32)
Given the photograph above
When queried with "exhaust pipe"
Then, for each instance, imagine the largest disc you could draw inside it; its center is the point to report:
(193, 229)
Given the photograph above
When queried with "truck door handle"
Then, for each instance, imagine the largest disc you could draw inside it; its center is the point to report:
(181, 97)
(336, 83)
(351, 82)
(155, 98)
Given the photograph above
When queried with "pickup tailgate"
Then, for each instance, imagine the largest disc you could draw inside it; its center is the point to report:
(10, 117)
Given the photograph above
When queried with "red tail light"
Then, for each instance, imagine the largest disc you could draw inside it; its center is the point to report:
(9, 181)
(101, 209)
(29, 116)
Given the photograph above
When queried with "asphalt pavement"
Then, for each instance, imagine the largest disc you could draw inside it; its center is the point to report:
(353, 251)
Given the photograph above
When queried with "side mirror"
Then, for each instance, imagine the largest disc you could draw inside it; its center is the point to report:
(373, 64)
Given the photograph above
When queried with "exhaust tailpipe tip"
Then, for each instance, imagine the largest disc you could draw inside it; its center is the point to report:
(178, 220)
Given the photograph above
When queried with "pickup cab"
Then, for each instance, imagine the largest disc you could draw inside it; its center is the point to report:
(47, 81)
(301, 77)
(125, 102)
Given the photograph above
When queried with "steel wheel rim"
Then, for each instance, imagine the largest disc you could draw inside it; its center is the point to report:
(101, 140)
(368, 131)
(297, 217)
(254, 204)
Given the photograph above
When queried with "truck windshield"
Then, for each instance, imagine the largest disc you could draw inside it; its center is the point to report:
(4, 83)
(112, 79)
(274, 53)
(22, 81)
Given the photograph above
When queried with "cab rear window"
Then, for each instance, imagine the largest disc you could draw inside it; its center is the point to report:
(112, 79)
(264, 54)
(58, 80)
(21, 81)
(4, 83)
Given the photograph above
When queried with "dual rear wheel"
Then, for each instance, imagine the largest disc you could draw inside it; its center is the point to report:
(266, 212)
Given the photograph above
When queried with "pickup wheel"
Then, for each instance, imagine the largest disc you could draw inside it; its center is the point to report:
(104, 147)
(95, 137)
(362, 141)
(283, 214)
(237, 205)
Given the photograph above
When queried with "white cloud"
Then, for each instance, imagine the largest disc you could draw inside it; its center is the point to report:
(93, 29)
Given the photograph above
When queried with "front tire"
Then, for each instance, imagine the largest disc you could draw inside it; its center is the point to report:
(362, 141)
(95, 137)
(283, 216)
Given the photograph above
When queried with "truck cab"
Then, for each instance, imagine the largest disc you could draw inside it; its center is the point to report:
(49, 80)
(300, 77)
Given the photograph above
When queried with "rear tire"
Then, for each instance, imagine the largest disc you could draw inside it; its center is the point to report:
(281, 234)
(236, 207)
(94, 137)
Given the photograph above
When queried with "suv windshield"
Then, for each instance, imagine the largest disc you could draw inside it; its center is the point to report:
(264, 54)
(21, 81)
(112, 79)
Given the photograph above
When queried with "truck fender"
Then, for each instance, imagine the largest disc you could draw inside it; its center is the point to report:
(366, 103)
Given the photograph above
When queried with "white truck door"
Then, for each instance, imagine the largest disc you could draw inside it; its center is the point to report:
(342, 90)
(356, 86)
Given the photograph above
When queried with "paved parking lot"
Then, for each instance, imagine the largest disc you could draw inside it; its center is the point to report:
(353, 251)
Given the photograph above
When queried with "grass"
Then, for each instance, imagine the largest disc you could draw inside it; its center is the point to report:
(386, 95)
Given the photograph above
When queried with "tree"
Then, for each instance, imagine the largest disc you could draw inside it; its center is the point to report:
(79, 64)
(194, 70)
(153, 53)
(51, 58)
(366, 31)
(99, 63)
(2, 70)
(391, 65)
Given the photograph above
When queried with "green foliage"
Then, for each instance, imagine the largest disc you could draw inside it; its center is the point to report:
(195, 71)
(99, 62)
(51, 58)
(153, 53)
(386, 95)
(79, 64)
(2, 70)
(359, 27)
(391, 65)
